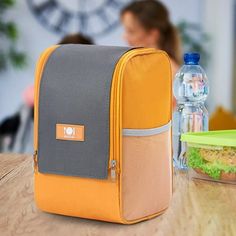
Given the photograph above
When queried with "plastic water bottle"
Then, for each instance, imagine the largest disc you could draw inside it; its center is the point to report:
(190, 90)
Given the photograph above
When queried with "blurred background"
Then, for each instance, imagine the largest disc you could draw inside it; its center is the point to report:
(27, 27)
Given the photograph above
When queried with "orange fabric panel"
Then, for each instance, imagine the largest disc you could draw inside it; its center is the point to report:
(146, 185)
(147, 91)
(74, 196)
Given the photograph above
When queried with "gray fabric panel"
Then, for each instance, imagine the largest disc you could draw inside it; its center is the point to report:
(75, 89)
(146, 132)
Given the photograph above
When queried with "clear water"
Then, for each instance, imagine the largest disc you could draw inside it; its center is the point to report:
(190, 90)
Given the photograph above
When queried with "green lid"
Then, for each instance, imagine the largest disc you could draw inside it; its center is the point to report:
(218, 138)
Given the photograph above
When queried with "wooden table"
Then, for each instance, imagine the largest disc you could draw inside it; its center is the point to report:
(198, 208)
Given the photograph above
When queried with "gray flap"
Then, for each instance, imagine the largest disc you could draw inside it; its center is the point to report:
(75, 89)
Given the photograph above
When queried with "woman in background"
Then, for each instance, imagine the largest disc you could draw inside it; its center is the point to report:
(147, 24)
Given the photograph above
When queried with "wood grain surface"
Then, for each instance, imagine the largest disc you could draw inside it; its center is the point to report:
(198, 208)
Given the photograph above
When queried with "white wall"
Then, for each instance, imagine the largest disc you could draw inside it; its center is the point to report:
(34, 39)
(218, 22)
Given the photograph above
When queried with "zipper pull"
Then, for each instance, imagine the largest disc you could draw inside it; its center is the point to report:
(35, 159)
(113, 170)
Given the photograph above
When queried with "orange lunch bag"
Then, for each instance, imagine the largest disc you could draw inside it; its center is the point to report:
(102, 132)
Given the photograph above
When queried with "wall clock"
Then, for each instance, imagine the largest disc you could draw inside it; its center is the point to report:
(90, 17)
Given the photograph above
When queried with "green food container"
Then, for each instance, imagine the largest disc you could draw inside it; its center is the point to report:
(212, 155)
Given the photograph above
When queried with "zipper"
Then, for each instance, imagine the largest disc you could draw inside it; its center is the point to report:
(117, 121)
(113, 170)
(38, 74)
(35, 160)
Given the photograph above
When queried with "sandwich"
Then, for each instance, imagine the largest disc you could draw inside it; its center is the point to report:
(218, 163)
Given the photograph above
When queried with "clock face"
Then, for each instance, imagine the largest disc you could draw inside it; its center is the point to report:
(90, 17)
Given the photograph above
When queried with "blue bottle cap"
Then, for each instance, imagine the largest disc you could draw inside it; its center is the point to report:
(191, 58)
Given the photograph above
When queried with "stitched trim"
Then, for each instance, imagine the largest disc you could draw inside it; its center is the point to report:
(146, 132)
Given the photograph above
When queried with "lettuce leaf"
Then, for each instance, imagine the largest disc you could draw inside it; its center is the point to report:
(213, 169)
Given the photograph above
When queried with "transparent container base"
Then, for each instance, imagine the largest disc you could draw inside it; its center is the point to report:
(199, 175)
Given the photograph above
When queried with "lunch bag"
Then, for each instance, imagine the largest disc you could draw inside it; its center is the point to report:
(102, 132)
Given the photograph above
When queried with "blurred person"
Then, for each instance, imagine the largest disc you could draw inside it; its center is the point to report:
(147, 24)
